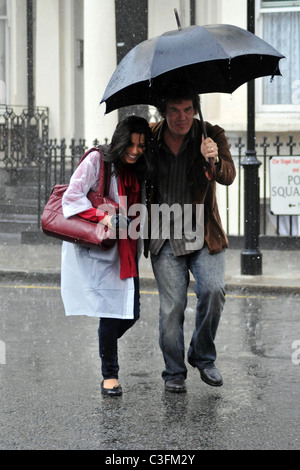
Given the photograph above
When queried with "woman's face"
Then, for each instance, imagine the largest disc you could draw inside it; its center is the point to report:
(135, 149)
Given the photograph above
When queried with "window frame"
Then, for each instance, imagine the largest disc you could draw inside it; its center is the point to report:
(274, 108)
(284, 4)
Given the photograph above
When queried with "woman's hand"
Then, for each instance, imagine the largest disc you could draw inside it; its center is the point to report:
(107, 221)
(116, 222)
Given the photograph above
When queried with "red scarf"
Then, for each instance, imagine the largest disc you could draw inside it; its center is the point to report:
(128, 186)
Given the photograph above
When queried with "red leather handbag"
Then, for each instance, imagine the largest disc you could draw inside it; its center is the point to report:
(75, 229)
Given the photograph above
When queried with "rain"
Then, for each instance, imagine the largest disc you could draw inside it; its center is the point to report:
(49, 364)
(50, 383)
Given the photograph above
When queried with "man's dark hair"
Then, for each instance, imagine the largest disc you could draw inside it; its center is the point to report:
(176, 92)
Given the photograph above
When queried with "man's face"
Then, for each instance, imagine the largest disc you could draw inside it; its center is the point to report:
(179, 116)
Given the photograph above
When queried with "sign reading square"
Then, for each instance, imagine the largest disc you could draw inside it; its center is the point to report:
(285, 185)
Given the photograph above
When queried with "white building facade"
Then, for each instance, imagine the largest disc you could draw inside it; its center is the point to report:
(71, 84)
(75, 44)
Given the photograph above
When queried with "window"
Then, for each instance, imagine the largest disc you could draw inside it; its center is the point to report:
(280, 27)
(280, 3)
(3, 51)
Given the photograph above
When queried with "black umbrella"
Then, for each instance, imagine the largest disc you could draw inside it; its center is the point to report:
(216, 58)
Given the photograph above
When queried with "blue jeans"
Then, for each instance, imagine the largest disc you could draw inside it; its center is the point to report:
(172, 276)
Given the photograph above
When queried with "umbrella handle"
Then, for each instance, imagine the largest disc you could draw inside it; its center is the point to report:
(209, 167)
(202, 121)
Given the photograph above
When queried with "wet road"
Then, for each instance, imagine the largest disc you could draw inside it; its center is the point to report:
(50, 376)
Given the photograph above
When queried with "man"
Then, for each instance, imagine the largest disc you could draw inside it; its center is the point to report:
(182, 177)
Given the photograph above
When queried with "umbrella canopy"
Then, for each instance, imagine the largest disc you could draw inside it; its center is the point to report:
(216, 58)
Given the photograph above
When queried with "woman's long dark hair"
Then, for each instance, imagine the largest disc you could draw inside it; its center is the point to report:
(121, 139)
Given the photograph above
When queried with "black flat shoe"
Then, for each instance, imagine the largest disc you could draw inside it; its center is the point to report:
(175, 385)
(211, 376)
(116, 391)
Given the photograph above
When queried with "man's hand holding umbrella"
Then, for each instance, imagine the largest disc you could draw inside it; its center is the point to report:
(209, 149)
(210, 152)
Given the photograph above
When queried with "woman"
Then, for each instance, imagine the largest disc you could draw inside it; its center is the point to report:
(99, 282)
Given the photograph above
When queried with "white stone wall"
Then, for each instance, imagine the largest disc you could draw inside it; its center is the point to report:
(73, 94)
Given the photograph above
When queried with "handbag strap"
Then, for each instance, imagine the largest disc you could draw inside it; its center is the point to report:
(105, 172)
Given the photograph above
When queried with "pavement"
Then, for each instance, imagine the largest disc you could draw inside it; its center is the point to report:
(49, 367)
(41, 263)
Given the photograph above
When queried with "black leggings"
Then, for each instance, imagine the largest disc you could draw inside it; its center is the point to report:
(110, 330)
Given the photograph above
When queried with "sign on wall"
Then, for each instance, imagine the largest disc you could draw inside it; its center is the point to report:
(285, 185)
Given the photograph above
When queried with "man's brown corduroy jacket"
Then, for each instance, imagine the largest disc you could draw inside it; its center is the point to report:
(202, 190)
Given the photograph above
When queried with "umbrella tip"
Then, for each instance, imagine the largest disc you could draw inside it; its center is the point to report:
(177, 18)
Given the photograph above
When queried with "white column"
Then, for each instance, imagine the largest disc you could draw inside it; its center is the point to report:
(161, 16)
(99, 64)
(18, 53)
(67, 67)
(47, 67)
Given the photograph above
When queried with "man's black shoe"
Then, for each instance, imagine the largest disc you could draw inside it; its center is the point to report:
(175, 385)
(211, 376)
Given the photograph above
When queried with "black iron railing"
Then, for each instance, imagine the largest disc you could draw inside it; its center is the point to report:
(58, 161)
(22, 133)
(24, 143)
(232, 215)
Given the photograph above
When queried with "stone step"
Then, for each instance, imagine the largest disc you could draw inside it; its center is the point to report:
(18, 193)
(18, 218)
(7, 238)
(19, 201)
(22, 206)
(18, 225)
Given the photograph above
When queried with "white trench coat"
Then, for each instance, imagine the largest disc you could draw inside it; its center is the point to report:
(90, 277)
